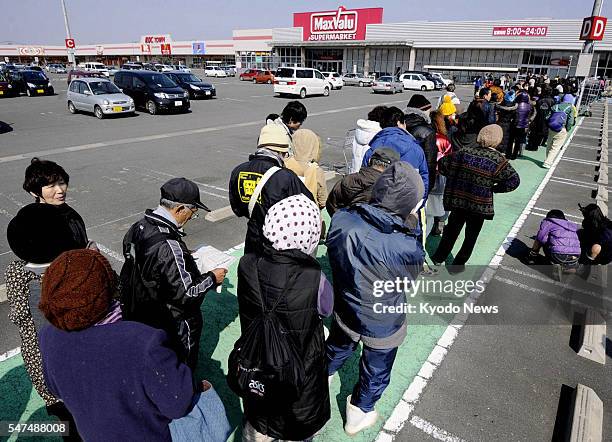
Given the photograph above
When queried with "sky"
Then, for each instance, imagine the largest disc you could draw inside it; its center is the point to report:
(122, 21)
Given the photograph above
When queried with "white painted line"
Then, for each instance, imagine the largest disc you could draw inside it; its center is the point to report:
(415, 389)
(579, 161)
(433, 431)
(9, 354)
(566, 214)
(586, 183)
(123, 141)
(234, 99)
(399, 416)
(115, 220)
(574, 184)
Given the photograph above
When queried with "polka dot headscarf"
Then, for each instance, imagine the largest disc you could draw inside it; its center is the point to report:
(294, 223)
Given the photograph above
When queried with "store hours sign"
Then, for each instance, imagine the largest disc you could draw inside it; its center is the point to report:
(341, 24)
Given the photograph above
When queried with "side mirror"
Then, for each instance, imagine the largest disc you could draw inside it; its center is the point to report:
(87, 92)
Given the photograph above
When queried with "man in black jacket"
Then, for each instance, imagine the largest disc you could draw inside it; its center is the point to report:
(272, 149)
(176, 288)
(418, 124)
(357, 187)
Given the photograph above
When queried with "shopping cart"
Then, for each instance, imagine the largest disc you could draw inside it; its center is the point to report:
(592, 94)
(338, 153)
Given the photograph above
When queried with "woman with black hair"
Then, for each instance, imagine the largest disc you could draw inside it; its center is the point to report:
(39, 233)
(596, 235)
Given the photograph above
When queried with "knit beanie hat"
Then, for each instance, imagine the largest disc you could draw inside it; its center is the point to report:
(490, 136)
(447, 107)
(510, 97)
(77, 289)
(39, 233)
(420, 102)
(274, 137)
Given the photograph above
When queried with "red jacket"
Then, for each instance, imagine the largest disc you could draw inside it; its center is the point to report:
(444, 146)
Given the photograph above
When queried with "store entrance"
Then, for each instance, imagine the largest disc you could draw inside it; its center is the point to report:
(325, 60)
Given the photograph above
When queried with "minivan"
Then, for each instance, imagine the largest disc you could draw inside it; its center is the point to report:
(95, 67)
(153, 90)
(300, 81)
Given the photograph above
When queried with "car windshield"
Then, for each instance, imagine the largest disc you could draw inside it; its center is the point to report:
(189, 78)
(385, 79)
(34, 75)
(103, 87)
(159, 81)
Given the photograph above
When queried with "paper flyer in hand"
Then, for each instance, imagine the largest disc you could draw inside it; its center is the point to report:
(208, 258)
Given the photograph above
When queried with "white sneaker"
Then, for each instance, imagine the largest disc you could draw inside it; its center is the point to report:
(330, 379)
(358, 420)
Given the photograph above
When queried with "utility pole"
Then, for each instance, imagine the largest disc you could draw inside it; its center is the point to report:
(588, 48)
(71, 57)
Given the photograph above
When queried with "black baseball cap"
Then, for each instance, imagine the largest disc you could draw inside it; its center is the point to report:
(181, 190)
(385, 155)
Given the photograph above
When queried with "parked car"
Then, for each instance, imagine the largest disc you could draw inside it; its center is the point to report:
(153, 90)
(163, 67)
(99, 96)
(181, 68)
(192, 84)
(214, 71)
(300, 81)
(334, 79)
(131, 67)
(36, 68)
(441, 77)
(6, 88)
(379, 74)
(31, 83)
(358, 79)
(387, 84)
(438, 84)
(229, 70)
(83, 74)
(56, 68)
(112, 70)
(7, 67)
(249, 74)
(264, 77)
(94, 66)
(416, 81)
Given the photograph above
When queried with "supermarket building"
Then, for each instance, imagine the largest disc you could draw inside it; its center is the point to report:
(357, 40)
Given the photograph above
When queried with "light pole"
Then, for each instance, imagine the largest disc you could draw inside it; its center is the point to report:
(588, 49)
(71, 57)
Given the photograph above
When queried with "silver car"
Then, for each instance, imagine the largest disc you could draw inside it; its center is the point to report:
(357, 80)
(388, 84)
(99, 96)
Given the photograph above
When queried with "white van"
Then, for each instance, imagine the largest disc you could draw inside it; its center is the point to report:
(300, 81)
(416, 81)
(96, 67)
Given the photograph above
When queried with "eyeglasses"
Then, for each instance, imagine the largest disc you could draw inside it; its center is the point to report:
(194, 212)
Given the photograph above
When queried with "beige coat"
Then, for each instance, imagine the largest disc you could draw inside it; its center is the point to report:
(304, 162)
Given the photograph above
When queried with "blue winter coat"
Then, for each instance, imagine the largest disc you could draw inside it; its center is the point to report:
(367, 244)
(409, 149)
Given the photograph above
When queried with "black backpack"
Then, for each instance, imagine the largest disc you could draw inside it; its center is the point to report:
(139, 297)
(265, 365)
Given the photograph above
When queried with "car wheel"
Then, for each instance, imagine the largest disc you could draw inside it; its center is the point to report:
(423, 88)
(255, 80)
(303, 93)
(28, 92)
(151, 107)
(98, 112)
(401, 91)
(361, 84)
(71, 108)
(269, 81)
(326, 92)
(241, 78)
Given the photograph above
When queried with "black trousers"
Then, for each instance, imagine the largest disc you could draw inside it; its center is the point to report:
(456, 220)
(518, 137)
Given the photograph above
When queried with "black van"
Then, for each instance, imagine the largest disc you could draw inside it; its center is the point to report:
(30, 82)
(153, 90)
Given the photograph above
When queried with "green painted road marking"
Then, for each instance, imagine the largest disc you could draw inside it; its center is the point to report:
(222, 328)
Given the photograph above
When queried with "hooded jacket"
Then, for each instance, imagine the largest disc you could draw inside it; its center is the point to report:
(506, 117)
(406, 146)
(352, 189)
(568, 107)
(365, 131)
(304, 162)
(242, 183)
(418, 123)
(525, 112)
(369, 243)
(179, 287)
(559, 236)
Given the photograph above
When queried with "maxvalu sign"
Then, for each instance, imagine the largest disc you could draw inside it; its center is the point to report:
(341, 24)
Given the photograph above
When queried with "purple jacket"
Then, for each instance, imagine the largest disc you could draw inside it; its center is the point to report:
(524, 111)
(559, 236)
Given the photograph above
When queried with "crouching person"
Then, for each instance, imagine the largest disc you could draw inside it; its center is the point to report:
(369, 244)
(282, 286)
(119, 379)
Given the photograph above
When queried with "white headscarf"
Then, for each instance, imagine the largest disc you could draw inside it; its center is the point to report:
(294, 223)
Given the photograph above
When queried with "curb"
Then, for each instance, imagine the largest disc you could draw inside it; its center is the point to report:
(3, 297)
(587, 419)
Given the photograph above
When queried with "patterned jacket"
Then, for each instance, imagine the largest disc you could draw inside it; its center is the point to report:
(473, 174)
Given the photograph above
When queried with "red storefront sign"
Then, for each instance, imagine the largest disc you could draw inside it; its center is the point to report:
(593, 28)
(166, 49)
(520, 31)
(342, 24)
